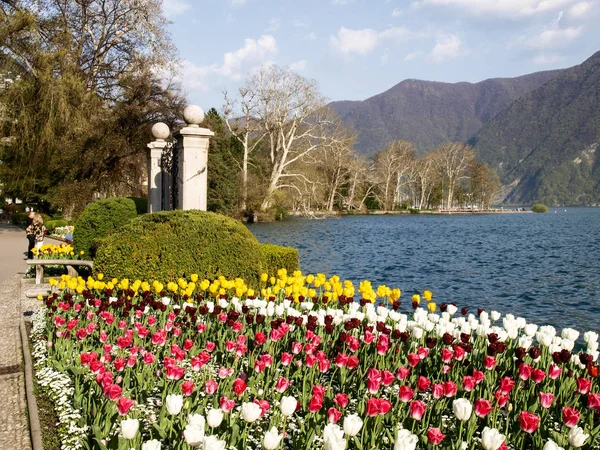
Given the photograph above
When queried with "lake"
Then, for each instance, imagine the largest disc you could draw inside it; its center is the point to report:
(544, 267)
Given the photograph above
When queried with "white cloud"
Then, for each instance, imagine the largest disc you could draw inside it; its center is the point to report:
(505, 8)
(546, 59)
(552, 36)
(397, 12)
(172, 8)
(298, 66)
(312, 36)
(193, 76)
(447, 48)
(579, 10)
(363, 42)
(254, 51)
(412, 56)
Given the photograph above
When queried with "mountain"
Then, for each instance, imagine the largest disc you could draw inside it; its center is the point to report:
(430, 113)
(545, 144)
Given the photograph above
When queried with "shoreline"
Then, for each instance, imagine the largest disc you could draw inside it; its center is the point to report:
(327, 214)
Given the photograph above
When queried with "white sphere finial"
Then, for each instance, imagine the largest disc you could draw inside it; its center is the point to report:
(160, 131)
(193, 115)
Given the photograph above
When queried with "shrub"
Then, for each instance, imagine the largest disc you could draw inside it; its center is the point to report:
(52, 224)
(141, 204)
(19, 218)
(539, 208)
(275, 257)
(171, 244)
(101, 219)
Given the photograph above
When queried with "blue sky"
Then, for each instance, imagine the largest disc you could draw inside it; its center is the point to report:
(359, 48)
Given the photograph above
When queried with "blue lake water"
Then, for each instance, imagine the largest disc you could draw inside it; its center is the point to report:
(544, 267)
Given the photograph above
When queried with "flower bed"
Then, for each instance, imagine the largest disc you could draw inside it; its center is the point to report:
(55, 251)
(208, 365)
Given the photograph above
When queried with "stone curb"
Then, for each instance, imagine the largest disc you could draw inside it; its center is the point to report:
(34, 420)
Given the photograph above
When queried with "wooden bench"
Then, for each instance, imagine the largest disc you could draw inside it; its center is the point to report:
(69, 263)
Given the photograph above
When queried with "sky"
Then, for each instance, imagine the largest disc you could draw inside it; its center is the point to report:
(355, 49)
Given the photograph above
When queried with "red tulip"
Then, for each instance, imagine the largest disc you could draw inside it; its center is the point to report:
(469, 383)
(447, 355)
(239, 387)
(315, 404)
(554, 372)
(402, 373)
(341, 360)
(482, 407)
(459, 353)
(119, 364)
(406, 394)
(583, 385)
(333, 415)
(187, 387)
(437, 390)
(175, 372)
(387, 377)
(417, 409)
(594, 401)
(352, 362)
(286, 358)
(423, 383)
(264, 406)
(384, 406)
(319, 390)
(501, 399)
(489, 362)
(529, 422)
(450, 388)
(413, 359)
(296, 347)
(372, 407)
(282, 385)
(124, 404)
(112, 391)
(546, 399)
(506, 385)
(341, 400)
(538, 376)
(435, 436)
(226, 404)
(570, 416)
(260, 338)
(525, 372)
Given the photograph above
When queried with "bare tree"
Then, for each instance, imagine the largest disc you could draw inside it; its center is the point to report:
(425, 178)
(484, 184)
(393, 164)
(240, 117)
(295, 119)
(335, 163)
(453, 160)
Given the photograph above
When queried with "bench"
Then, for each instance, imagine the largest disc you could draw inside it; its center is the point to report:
(69, 263)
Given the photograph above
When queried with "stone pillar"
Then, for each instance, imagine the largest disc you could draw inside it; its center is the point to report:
(192, 156)
(161, 132)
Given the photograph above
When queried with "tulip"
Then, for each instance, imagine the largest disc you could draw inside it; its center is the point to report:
(124, 404)
(341, 400)
(250, 412)
(214, 417)
(491, 439)
(546, 399)
(594, 401)
(435, 436)
(272, 439)
(333, 415)
(406, 394)
(462, 409)
(551, 445)
(352, 425)
(196, 421)
(288, 405)
(405, 440)
(577, 437)
(417, 409)
(214, 443)
(129, 428)
(570, 416)
(174, 404)
(193, 436)
(151, 445)
(529, 422)
(482, 407)
(333, 437)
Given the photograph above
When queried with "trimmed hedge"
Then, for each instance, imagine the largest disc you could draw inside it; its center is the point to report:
(141, 204)
(53, 224)
(171, 244)
(275, 257)
(99, 220)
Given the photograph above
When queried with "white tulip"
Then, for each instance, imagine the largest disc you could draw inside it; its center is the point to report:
(590, 336)
(405, 440)
(272, 439)
(551, 445)
(530, 329)
(567, 344)
(570, 334)
(577, 437)
(288, 405)
(462, 409)
(250, 412)
(491, 439)
(495, 315)
(129, 428)
(451, 309)
(417, 332)
(214, 417)
(352, 425)
(174, 404)
(151, 445)
(196, 420)
(333, 437)
(214, 443)
(193, 436)
(592, 346)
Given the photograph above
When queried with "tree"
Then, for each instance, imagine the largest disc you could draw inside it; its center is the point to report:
(425, 179)
(392, 165)
(484, 184)
(452, 161)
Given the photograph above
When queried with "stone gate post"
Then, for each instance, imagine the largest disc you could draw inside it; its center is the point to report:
(161, 132)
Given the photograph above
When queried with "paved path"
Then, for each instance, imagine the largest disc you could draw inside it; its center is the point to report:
(14, 427)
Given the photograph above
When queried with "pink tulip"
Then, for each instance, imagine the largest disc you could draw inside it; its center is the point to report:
(282, 385)
(210, 387)
(417, 409)
(529, 422)
(435, 436)
(570, 416)
(333, 415)
(546, 399)
(406, 394)
(482, 407)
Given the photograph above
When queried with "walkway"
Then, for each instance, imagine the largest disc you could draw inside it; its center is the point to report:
(14, 427)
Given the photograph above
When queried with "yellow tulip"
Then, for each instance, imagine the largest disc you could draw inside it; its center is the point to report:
(427, 295)
(194, 277)
(431, 306)
(250, 292)
(100, 276)
(310, 278)
(416, 298)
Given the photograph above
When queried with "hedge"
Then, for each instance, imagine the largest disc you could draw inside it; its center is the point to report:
(53, 224)
(141, 204)
(275, 257)
(171, 244)
(99, 220)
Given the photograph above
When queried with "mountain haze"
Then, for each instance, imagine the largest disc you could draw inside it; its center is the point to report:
(431, 113)
(545, 144)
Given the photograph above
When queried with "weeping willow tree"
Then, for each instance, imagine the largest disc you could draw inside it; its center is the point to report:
(77, 116)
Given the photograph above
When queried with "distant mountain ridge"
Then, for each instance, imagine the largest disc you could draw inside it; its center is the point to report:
(545, 144)
(431, 113)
